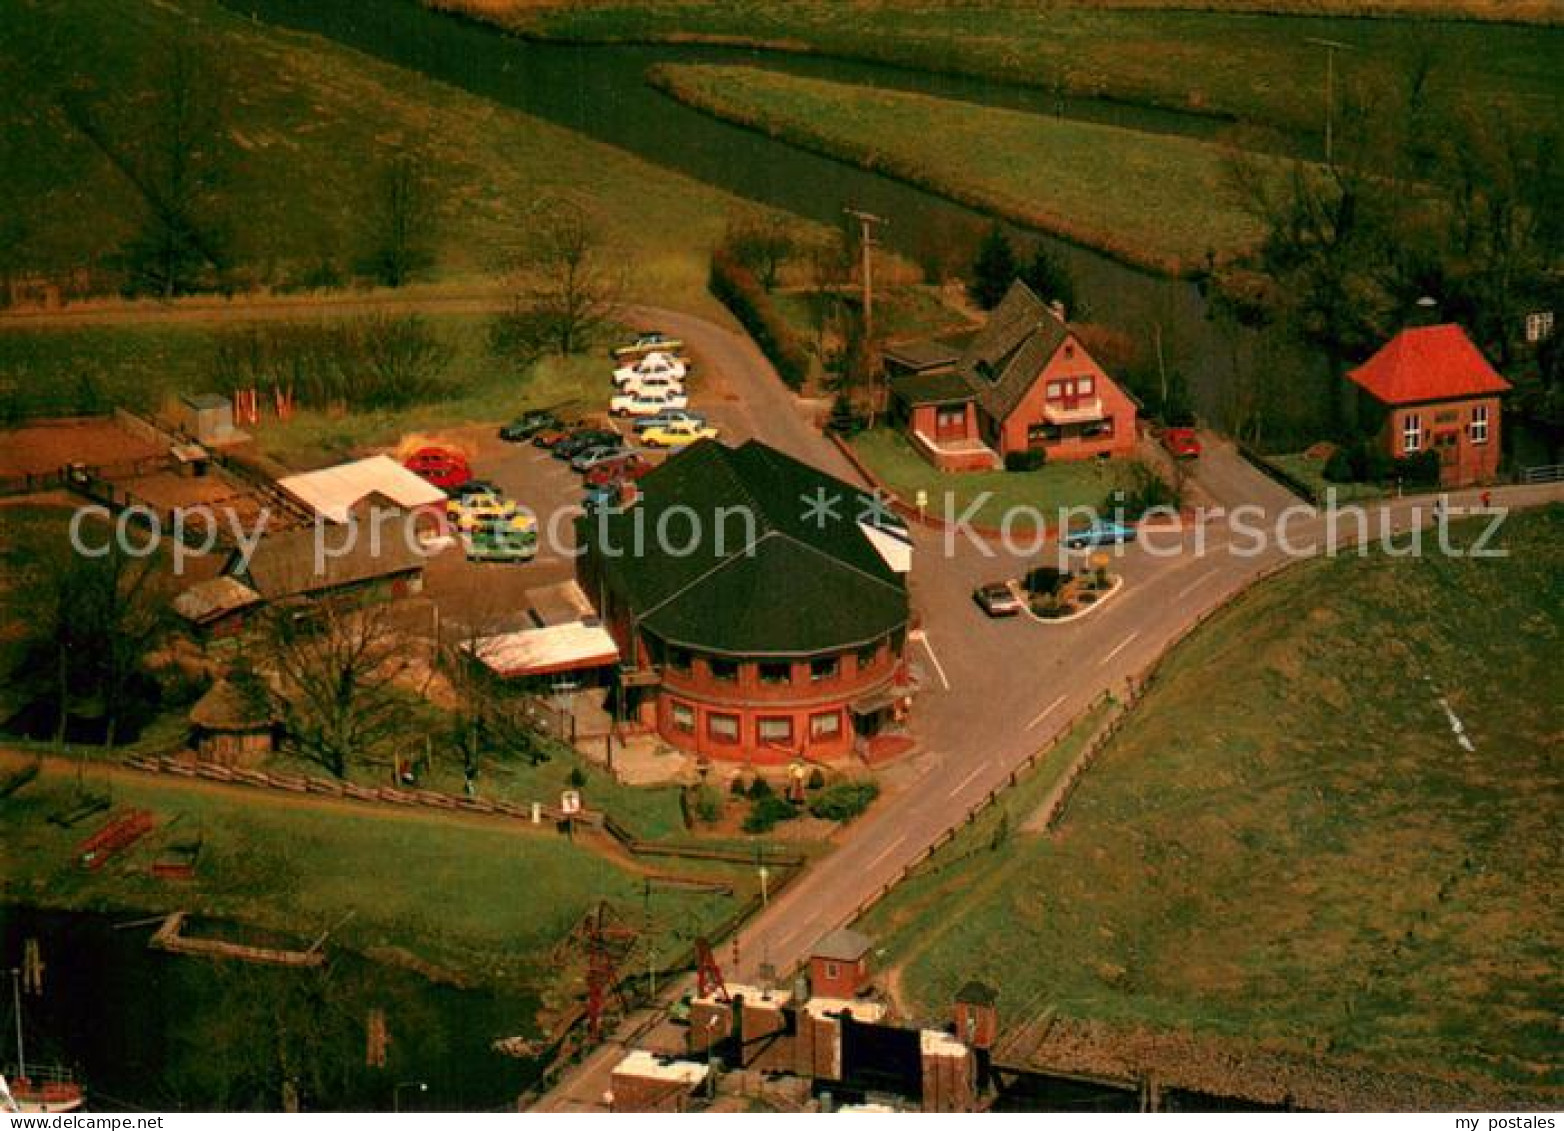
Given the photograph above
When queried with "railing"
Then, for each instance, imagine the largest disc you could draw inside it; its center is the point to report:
(1543, 473)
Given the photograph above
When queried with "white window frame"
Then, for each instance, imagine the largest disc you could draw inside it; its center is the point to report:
(1411, 433)
(826, 724)
(683, 717)
(782, 725)
(1478, 428)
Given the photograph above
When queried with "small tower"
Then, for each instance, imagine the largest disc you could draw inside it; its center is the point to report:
(977, 1017)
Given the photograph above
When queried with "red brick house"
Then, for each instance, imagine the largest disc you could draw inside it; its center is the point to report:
(1436, 392)
(839, 965)
(753, 626)
(1025, 383)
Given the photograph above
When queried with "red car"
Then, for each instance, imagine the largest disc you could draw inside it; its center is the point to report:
(624, 469)
(445, 468)
(1182, 443)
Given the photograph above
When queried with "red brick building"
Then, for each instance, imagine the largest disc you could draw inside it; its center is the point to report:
(839, 965)
(1434, 391)
(1026, 383)
(759, 606)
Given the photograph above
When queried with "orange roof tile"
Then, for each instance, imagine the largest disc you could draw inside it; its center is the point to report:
(1428, 363)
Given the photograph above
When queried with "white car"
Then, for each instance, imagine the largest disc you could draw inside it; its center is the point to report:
(655, 386)
(658, 365)
(647, 402)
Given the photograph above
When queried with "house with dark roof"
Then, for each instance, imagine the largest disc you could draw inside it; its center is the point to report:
(1433, 390)
(1025, 383)
(760, 606)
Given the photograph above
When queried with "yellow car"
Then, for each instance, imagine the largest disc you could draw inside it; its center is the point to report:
(469, 512)
(677, 434)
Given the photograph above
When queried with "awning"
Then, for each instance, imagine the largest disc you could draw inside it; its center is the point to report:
(572, 647)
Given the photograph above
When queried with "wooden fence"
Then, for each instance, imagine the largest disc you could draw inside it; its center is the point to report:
(381, 795)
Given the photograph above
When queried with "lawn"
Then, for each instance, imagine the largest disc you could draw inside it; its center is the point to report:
(307, 129)
(482, 900)
(1286, 845)
(1311, 472)
(1155, 200)
(1243, 65)
(1085, 483)
(145, 366)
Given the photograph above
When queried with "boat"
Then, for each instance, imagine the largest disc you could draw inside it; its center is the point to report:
(35, 1089)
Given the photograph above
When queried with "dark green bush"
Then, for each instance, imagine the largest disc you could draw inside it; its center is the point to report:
(759, 788)
(844, 800)
(816, 778)
(1029, 460)
(736, 287)
(765, 812)
(1046, 579)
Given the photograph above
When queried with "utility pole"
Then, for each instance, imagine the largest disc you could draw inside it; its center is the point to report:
(866, 224)
(1331, 47)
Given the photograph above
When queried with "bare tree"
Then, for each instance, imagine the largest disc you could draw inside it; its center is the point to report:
(402, 220)
(764, 243)
(569, 284)
(335, 669)
(93, 621)
(178, 167)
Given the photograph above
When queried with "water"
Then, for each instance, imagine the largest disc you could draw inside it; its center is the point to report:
(599, 90)
(155, 1031)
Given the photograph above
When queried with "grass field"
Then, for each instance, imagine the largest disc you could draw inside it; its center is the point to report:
(1153, 200)
(1286, 844)
(478, 899)
(307, 128)
(145, 366)
(1253, 67)
(893, 460)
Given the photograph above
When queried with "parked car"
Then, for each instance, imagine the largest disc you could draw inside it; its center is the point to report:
(678, 434)
(589, 458)
(476, 487)
(658, 365)
(668, 416)
(997, 600)
(651, 341)
(647, 402)
(627, 466)
(1098, 534)
(502, 542)
(581, 439)
(1181, 443)
(547, 437)
(472, 511)
(445, 468)
(653, 386)
(601, 495)
(528, 425)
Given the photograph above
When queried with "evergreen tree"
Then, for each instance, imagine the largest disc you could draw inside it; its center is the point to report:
(1050, 278)
(993, 270)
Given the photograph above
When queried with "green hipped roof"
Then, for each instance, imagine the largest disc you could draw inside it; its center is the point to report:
(762, 575)
(949, 387)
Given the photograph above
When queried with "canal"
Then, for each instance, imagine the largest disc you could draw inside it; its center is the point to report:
(145, 1030)
(600, 90)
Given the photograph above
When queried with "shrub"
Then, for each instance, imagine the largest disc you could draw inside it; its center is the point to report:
(759, 788)
(736, 287)
(708, 804)
(844, 800)
(736, 786)
(1339, 468)
(1029, 460)
(576, 778)
(845, 420)
(765, 812)
(1046, 580)
(1421, 470)
(816, 778)
(1145, 490)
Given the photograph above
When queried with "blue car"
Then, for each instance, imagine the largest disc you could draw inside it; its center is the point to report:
(669, 416)
(1098, 534)
(604, 495)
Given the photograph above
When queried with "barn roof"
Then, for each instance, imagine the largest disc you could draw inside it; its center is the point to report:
(213, 599)
(289, 563)
(333, 492)
(1428, 363)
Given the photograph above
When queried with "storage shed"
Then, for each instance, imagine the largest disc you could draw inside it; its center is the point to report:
(232, 724)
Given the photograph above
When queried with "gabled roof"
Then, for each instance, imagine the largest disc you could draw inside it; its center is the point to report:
(284, 564)
(1428, 363)
(332, 492)
(947, 387)
(1003, 361)
(842, 945)
(761, 555)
